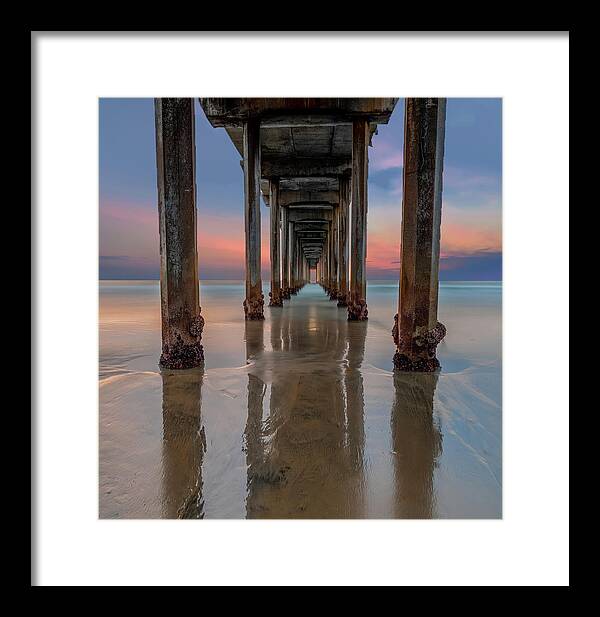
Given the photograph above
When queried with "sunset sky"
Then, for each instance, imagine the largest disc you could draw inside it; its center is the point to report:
(471, 212)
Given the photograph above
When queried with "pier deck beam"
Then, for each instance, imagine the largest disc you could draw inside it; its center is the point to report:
(182, 323)
(357, 301)
(254, 302)
(417, 331)
(275, 294)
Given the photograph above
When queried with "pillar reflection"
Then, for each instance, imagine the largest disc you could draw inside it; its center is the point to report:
(276, 330)
(253, 432)
(183, 444)
(355, 396)
(416, 443)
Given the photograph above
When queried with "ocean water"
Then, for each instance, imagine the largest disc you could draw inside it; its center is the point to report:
(302, 415)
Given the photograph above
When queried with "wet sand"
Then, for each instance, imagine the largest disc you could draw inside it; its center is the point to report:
(299, 416)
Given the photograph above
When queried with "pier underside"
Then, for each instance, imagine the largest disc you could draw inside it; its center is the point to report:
(308, 160)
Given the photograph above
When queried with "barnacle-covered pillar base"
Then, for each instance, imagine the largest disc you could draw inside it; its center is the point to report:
(418, 353)
(254, 306)
(181, 355)
(357, 310)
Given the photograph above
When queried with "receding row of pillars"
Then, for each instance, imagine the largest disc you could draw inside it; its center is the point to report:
(341, 264)
(290, 264)
(341, 270)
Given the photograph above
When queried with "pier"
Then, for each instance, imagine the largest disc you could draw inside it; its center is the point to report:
(308, 160)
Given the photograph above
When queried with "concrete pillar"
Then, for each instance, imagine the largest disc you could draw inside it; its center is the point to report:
(254, 302)
(330, 258)
(343, 240)
(298, 264)
(285, 255)
(357, 301)
(323, 262)
(292, 239)
(333, 292)
(417, 331)
(326, 264)
(275, 293)
(182, 323)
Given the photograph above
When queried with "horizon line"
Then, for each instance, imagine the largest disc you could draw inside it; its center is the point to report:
(157, 280)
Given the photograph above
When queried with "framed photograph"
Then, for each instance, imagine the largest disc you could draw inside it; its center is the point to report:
(299, 292)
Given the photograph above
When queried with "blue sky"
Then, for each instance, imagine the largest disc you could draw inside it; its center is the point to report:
(471, 212)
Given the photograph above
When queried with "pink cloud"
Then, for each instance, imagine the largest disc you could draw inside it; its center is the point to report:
(465, 180)
(128, 229)
(386, 156)
(132, 230)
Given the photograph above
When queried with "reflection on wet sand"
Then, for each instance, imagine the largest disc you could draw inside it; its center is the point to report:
(299, 416)
(305, 456)
(183, 444)
(417, 444)
(305, 459)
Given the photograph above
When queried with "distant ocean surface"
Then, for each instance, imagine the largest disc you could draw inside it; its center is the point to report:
(300, 416)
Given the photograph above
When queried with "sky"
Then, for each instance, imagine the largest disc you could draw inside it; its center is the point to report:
(471, 238)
